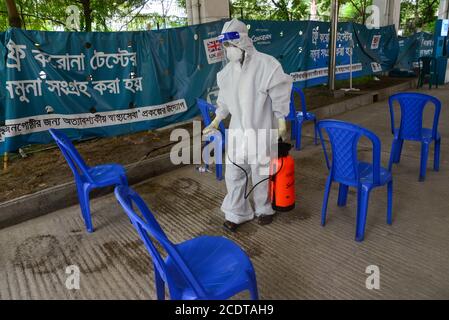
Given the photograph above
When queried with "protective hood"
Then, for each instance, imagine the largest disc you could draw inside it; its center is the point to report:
(244, 42)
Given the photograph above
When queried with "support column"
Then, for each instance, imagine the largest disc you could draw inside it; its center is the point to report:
(333, 45)
(202, 11)
(390, 11)
(443, 9)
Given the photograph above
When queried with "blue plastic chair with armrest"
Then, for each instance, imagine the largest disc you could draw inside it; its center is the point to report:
(297, 118)
(349, 172)
(412, 107)
(88, 178)
(204, 267)
(206, 110)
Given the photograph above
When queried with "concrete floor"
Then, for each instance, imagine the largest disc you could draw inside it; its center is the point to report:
(294, 258)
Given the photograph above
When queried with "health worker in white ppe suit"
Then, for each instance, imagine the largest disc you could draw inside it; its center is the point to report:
(255, 91)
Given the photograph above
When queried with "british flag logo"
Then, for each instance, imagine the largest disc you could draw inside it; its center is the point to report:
(213, 46)
(214, 50)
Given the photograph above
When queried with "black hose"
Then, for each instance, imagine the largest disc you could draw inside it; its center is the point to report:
(247, 179)
(156, 149)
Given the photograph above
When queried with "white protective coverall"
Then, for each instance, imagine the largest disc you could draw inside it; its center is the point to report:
(256, 94)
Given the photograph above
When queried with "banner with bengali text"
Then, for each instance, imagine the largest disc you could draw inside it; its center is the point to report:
(111, 83)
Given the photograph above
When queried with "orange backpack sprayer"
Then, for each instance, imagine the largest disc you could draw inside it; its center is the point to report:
(281, 186)
(282, 182)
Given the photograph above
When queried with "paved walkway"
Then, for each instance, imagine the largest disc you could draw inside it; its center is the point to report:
(294, 258)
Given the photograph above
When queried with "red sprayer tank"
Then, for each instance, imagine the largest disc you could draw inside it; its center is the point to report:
(282, 180)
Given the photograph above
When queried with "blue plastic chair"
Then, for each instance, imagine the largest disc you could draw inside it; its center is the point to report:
(205, 267)
(411, 128)
(350, 172)
(428, 69)
(88, 178)
(206, 109)
(298, 117)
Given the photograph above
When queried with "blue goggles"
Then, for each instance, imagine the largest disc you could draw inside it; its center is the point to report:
(228, 36)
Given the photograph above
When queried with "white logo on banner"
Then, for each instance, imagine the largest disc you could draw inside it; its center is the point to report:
(376, 67)
(212, 95)
(262, 39)
(214, 50)
(375, 42)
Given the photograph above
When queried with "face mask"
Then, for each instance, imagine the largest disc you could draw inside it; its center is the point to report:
(234, 54)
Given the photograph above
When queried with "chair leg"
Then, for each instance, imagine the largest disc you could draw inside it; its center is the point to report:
(83, 196)
(253, 291)
(293, 130)
(436, 156)
(124, 180)
(326, 200)
(219, 171)
(316, 131)
(160, 285)
(424, 156)
(399, 150)
(218, 149)
(298, 135)
(206, 156)
(342, 195)
(392, 154)
(362, 212)
(390, 203)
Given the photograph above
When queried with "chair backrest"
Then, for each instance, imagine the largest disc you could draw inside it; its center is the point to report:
(151, 233)
(206, 110)
(344, 138)
(412, 106)
(302, 97)
(73, 158)
(427, 64)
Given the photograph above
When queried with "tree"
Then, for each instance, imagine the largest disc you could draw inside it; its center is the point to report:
(270, 9)
(418, 14)
(13, 15)
(97, 15)
(355, 10)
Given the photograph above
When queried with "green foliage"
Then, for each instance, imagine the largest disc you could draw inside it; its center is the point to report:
(114, 15)
(350, 10)
(418, 15)
(355, 10)
(270, 9)
(3, 16)
(95, 15)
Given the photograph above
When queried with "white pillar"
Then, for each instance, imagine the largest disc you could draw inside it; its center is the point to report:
(189, 12)
(202, 11)
(196, 11)
(390, 11)
(213, 10)
(443, 9)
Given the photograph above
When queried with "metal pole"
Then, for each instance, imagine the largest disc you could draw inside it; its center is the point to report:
(5, 161)
(350, 71)
(351, 45)
(333, 45)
